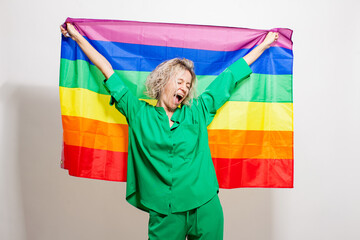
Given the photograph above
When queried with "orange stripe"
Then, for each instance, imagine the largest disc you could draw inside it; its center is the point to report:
(95, 134)
(251, 144)
(84, 132)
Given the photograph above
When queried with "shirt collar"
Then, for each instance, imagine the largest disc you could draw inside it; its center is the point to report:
(176, 116)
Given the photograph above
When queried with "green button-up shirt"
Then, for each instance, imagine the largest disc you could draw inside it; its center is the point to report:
(170, 168)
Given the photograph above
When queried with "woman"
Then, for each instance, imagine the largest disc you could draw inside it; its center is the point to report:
(170, 171)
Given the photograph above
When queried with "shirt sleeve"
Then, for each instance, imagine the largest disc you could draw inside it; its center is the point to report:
(122, 97)
(219, 91)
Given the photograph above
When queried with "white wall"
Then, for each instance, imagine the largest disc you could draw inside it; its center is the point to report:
(39, 201)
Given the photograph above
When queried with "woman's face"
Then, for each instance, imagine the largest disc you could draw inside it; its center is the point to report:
(175, 91)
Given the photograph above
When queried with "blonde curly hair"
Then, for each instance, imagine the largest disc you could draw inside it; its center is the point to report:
(160, 76)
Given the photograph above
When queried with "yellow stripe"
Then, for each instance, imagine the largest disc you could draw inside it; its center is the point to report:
(254, 116)
(233, 115)
(80, 102)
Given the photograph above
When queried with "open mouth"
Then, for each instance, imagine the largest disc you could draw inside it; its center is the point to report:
(178, 98)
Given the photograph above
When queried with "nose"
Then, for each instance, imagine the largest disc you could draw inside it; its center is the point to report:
(182, 87)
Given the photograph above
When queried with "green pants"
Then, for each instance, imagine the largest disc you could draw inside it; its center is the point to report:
(204, 222)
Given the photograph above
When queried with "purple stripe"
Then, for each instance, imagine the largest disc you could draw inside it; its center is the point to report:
(177, 35)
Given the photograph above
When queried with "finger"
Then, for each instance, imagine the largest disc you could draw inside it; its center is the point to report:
(62, 29)
(65, 33)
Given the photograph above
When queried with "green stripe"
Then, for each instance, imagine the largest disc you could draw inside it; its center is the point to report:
(257, 88)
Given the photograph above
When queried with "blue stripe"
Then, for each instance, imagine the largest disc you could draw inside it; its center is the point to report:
(137, 57)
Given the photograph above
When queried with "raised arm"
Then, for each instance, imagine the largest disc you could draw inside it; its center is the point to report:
(127, 103)
(219, 91)
(257, 51)
(95, 57)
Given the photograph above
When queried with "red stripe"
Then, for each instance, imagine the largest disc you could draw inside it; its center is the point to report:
(266, 173)
(231, 173)
(94, 163)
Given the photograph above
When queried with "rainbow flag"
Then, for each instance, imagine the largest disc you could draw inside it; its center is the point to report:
(251, 137)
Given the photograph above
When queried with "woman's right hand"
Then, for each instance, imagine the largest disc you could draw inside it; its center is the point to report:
(95, 57)
(70, 31)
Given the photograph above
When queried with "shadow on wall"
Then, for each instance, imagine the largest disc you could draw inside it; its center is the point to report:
(57, 206)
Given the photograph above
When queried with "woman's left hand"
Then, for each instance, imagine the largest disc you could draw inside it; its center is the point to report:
(270, 38)
(257, 51)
